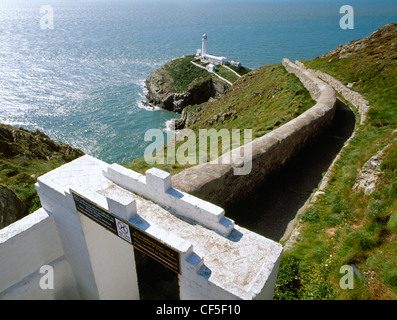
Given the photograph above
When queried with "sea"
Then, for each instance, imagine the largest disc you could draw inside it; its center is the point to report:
(76, 69)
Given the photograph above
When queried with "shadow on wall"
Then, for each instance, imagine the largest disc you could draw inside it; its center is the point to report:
(269, 209)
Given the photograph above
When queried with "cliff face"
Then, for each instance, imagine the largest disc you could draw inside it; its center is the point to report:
(33, 145)
(12, 208)
(179, 84)
(25, 155)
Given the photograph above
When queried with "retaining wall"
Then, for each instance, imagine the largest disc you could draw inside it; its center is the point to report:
(352, 96)
(217, 182)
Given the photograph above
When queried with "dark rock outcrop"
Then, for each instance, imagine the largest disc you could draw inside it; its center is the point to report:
(160, 91)
(33, 145)
(11, 207)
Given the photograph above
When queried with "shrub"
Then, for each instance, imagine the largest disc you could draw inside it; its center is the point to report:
(360, 239)
(334, 219)
(392, 224)
(339, 206)
(315, 284)
(310, 215)
(376, 209)
(391, 279)
(288, 281)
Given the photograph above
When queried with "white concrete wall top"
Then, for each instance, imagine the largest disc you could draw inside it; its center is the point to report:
(236, 260)
(156, 185)
(239, 263)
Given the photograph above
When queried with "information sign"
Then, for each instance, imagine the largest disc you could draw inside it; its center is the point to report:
(136, 237)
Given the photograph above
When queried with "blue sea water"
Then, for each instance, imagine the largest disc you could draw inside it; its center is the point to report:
(82, 82)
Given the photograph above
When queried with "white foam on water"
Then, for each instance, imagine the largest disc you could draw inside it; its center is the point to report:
(147, 106)
(170, 125)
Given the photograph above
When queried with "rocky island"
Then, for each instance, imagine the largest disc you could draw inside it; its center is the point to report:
(179, 84)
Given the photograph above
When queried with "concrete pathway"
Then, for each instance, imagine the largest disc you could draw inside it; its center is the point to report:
(223, 79)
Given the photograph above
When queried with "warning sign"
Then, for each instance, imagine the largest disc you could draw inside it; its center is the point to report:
(156, 249)
(138, 238)
(94, 212)
(123, 230)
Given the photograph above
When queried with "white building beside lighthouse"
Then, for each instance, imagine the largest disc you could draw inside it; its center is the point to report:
(205, 57)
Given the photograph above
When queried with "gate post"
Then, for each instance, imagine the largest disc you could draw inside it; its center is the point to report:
(112, 259)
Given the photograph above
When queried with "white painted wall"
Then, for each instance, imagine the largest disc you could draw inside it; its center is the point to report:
(156, 185)
(61, 207)
(90, 262)
(27, 245)
(113, 263)
(204, 45)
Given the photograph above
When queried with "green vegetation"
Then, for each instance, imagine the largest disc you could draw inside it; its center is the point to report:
(24, 156)
(240, 70)
(20, 175)
(184, 74)
(227, 74)
(373, 75)
(262, 100)
(346, 227)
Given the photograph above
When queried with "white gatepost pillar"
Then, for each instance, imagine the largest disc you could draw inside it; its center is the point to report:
(112, 258)
(102, 263)
(59, 204)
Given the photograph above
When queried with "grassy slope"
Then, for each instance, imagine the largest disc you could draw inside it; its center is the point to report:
(184, 74)
(262, 100)
(24, 156)
(347, 227)
(20, 175)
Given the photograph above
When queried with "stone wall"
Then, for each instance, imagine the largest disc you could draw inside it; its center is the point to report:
(352, 96)
(216, 181)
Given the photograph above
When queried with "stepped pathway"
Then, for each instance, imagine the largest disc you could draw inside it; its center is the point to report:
(269, 210)
(362, 105)
(355, 98)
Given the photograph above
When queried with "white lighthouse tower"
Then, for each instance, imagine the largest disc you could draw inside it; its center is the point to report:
(209, 58)
(204, 46)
